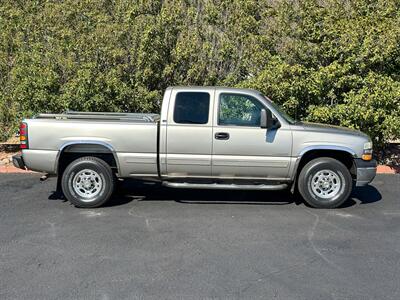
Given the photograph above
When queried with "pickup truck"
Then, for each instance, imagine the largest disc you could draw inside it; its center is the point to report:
(204, 138)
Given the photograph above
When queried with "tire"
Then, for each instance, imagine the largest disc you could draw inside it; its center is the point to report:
(88, 182)
(325, 183)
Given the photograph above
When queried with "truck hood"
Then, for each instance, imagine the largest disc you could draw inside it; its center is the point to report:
(325, 128)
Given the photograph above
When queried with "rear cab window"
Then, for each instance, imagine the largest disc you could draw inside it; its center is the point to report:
(192, 108)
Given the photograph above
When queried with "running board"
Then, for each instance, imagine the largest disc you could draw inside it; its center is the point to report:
(217, 186)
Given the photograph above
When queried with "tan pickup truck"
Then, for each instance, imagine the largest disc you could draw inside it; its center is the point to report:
(204, 138)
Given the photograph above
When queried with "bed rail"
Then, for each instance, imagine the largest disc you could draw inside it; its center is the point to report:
(136, 117)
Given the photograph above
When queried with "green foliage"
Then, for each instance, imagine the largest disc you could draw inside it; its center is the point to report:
(333, 61)
(373, 108)
(238, 110)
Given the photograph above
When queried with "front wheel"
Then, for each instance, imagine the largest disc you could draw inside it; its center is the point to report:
(325, 183)
(88, 182)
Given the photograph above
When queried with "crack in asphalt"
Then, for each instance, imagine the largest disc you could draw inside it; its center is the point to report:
(310, 236)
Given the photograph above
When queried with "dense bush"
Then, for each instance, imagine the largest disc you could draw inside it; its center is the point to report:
(334, 61)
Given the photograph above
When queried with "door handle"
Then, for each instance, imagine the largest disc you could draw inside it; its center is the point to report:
(222, 136)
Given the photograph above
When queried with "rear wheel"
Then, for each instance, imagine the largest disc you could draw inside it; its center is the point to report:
(88, 182)
(325, 183)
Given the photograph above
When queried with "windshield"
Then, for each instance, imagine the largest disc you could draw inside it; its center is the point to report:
(281, 112)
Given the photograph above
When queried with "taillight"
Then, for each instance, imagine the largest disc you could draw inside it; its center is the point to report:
(23, 136)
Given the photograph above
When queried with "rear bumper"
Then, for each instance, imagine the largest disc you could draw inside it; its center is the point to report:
(18, 161)
(366, 171)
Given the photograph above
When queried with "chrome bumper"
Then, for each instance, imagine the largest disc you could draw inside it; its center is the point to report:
(366, 171)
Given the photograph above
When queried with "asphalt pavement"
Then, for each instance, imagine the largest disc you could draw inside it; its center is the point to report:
(158, 243)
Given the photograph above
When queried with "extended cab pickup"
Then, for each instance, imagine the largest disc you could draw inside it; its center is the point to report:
(204, 138)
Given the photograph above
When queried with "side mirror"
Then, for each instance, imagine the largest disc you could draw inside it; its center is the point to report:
(266, 119)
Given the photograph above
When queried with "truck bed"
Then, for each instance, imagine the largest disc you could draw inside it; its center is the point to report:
(132, 137)
(104, 116)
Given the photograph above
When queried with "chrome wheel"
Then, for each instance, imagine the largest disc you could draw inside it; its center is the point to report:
(325, 184)
(87, 184)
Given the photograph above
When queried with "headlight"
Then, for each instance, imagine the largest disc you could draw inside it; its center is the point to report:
(367, 153)
(368, 146)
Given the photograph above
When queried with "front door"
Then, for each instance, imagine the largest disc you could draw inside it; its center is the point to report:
(189, 133)
(241, 149)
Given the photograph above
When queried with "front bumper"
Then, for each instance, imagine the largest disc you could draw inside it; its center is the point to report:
(366, 171)
(18, 161)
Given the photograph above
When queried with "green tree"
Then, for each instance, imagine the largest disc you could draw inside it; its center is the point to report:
(334, 61)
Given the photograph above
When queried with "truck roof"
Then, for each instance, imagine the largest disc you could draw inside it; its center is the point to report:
(217, 88)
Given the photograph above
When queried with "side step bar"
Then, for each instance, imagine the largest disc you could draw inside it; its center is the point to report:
(217, 186)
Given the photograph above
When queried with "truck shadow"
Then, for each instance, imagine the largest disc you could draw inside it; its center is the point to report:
(131, 190)
(365, 195)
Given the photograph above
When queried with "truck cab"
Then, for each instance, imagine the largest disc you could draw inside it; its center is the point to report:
(222, 133)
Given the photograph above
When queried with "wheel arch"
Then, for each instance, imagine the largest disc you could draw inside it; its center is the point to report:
(343, 154)
(75, 149)
(329, 148)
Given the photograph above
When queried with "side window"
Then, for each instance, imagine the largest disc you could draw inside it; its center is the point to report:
(239, 110)
(192, 108)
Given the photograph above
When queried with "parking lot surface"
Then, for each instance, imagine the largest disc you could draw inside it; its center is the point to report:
(158, 243)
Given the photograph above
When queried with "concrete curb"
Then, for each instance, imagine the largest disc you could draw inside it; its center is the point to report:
(382, 169)
(12, 169)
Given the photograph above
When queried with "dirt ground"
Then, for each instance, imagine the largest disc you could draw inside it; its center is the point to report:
(5, 156)
(390, 156)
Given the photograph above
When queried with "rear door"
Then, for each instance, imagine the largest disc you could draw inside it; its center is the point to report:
(243, 150)
(189, 133)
